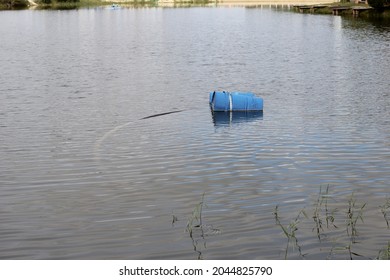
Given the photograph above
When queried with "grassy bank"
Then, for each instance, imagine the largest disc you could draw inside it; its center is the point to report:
(13, 4)
(70, 4)
(55, 4)
(75, 4)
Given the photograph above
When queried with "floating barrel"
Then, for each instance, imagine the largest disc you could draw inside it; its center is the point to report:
(235, 101)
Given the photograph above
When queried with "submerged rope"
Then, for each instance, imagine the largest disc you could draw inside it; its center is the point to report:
(161, 114)
(99, 142)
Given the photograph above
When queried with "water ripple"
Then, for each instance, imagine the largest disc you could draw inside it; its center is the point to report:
(85, 174)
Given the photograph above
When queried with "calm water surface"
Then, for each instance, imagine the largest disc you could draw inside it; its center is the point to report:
(83, 176)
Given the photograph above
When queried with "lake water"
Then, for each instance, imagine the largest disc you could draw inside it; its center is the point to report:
(84, 176)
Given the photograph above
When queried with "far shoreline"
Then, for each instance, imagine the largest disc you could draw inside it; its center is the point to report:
(231, 2)
(308, 6)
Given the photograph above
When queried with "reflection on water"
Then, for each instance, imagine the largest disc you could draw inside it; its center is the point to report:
(230, 118)
(105, 132)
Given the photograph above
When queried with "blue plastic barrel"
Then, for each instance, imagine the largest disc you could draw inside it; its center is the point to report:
(235, 101)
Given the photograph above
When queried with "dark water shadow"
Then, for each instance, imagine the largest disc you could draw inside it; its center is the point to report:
(221, 119)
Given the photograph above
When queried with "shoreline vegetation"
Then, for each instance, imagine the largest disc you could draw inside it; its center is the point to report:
(326, 228)
(337, 231)
(336, 227)
(342, 7)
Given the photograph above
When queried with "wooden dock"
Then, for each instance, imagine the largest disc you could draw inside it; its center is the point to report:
(339, 9)
(358, 9)
(310, 8)
(336, 10)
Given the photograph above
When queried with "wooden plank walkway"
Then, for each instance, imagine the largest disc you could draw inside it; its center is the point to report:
(311, 8)
(358, 9)
(337, 10)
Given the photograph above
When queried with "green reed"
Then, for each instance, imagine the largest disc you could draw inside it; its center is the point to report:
(195, 220)
(385, 209)
(290, 231)
(325, 219)
(354, 214)
(322, 212)
(384, 254)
